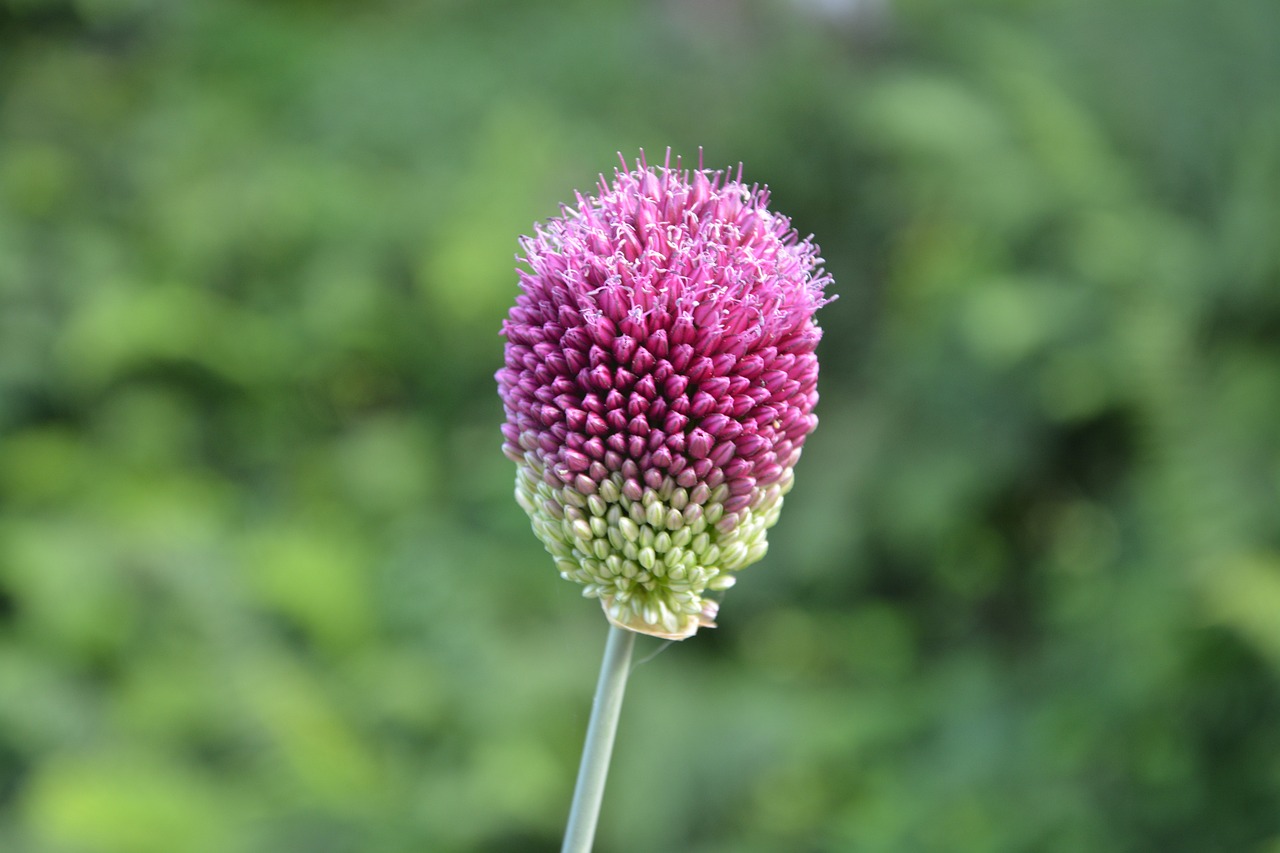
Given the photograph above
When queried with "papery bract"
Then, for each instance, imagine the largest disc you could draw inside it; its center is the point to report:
(659, 384)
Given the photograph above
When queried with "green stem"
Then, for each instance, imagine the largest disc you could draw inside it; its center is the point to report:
(580, 832)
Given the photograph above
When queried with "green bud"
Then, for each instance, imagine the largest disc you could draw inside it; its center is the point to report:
(609, 491)
(666, 489)
(733, 556)
(723, 580)
(526, 501)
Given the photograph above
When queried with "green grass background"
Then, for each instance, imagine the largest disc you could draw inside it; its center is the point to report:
(263, 585)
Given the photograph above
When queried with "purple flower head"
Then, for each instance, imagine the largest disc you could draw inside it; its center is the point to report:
(659, 383)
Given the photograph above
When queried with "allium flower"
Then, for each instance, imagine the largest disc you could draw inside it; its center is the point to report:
(659, 383)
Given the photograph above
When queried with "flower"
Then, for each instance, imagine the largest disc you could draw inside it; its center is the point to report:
(659, 384)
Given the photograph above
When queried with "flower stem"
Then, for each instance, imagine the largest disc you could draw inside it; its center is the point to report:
(588, 794)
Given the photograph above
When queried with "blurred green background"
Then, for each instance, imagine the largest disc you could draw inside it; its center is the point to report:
(263, 586)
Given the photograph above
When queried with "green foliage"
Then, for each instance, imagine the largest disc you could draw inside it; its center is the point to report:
(262, 582)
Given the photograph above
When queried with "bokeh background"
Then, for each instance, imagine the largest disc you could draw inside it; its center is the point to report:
(263, 585)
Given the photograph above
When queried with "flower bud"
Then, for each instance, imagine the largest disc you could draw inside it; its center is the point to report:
(659, 383)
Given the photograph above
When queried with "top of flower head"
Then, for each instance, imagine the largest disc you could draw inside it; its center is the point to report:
(697, 255)
(659, 383)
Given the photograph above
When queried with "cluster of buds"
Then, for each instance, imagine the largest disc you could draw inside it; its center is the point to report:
(659, 383)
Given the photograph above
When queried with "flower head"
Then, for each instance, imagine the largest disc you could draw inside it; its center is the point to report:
(659, 383)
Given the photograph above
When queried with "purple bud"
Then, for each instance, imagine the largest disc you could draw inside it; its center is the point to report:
(717, 424)
(642, 362)
(675, 422)
(700, 443)
(716, 386)
(702, 405)
(624, 347)
(723, 452)
(675, 385)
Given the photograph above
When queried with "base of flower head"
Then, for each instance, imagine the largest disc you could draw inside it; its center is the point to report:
(654, 619)
(649, 552)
